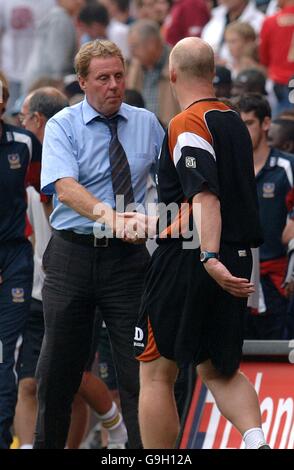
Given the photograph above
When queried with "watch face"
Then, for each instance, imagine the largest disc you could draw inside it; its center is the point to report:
(202, 256)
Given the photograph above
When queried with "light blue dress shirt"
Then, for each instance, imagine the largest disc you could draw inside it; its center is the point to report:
(77, 146)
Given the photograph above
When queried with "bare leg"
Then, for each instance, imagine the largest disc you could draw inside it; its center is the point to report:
(26, 411)
(158, 417)
(235, 397)
(95, 393)
(78, 423)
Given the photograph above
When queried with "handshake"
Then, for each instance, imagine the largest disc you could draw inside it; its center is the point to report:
(132, 227)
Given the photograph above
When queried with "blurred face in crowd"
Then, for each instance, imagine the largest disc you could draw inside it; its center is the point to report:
(146, 51)
(274, 137)
(73, 7)
(235, 44)
(257, 129)
(26, 118)
(146, 9)
(160, 10)
(104, 85)
(233, 4)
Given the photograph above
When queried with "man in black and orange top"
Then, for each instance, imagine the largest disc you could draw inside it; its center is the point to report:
(195, 294)
(20, 163)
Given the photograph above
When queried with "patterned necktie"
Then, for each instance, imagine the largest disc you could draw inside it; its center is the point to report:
(120, 168)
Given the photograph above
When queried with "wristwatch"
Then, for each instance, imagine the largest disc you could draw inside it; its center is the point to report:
(206, 255)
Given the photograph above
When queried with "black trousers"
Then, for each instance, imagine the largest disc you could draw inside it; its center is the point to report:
(79, 278)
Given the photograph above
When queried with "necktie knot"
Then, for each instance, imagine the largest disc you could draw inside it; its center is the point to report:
(111, 123)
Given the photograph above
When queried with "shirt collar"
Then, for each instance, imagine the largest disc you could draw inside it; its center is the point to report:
(89, 113)
(7, 135)
(273, 157)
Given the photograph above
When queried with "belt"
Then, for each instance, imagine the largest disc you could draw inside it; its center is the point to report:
(89, 240)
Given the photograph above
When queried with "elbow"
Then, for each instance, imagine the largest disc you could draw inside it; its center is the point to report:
(62, 197)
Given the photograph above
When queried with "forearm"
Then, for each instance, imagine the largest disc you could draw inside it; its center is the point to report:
(75, 196)
(208, 220)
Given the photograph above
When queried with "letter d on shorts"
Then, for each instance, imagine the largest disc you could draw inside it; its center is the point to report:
(138, 334)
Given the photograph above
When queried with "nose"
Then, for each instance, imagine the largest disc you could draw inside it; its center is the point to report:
(112, 82)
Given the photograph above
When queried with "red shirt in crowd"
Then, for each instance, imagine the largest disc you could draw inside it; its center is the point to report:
(187, 18)
(277, 45)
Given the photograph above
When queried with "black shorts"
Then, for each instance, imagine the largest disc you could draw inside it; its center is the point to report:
(185, 315)
(32, 341)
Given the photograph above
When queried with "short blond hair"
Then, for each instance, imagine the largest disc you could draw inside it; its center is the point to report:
(243, 29)
(4, 88)
(99, 49)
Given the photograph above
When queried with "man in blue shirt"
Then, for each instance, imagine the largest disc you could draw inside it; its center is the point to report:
(20, 161)
(95, 154)
(274, 171)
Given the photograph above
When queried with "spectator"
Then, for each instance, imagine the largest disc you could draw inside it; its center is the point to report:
(274, 171)
(56, 43)
(222, 82)
(276, 51)
(281, 135)
(119, 10)
(186, 18)
(93, 21)
(19, 21)
(249, 81)
(238, 37)
(148, 71)
(224, 14)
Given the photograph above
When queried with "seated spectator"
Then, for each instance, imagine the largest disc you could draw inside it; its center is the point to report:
(281, 135)
(145, 9)
(92, 22)
(161, 10)
(224, 14)
(238, 36)
(222, 82)
(276, 52)
(148, 72)
(249, 81)
(186, 18)
(56, 43)
(119, 10)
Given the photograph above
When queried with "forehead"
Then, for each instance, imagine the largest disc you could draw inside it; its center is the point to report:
(248, 116)
(106, 65)
(25, 105)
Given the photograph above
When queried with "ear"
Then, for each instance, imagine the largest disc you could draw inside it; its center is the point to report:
(266, 123)
(82, 83)
(172, 75)
(40, 120)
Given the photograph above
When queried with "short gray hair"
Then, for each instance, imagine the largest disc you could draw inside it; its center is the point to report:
(47, 101)
(145, 29)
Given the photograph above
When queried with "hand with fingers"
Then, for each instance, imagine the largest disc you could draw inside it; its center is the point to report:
(139, 227)
(236, 286)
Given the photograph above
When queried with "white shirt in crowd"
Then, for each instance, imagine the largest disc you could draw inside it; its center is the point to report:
(213, 31)
(42, 234)
(19, 21)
